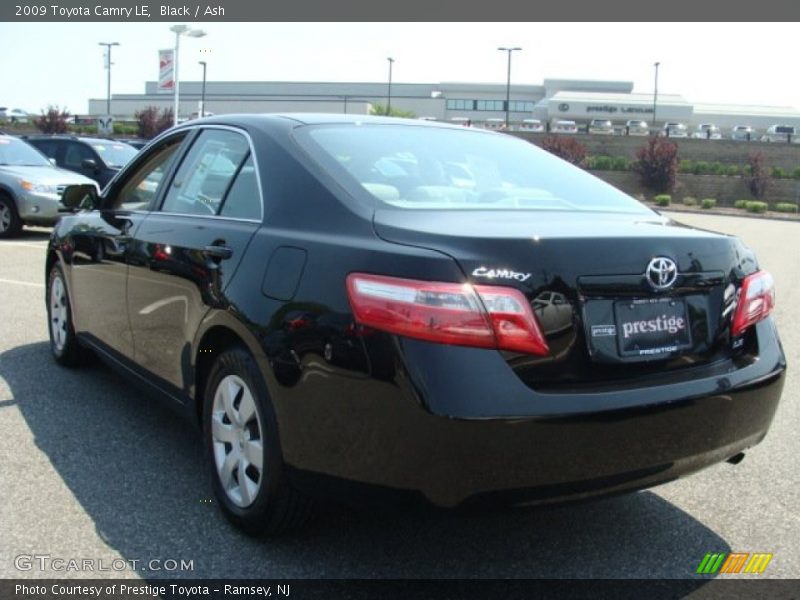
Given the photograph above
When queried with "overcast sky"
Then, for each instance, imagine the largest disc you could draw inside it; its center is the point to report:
(61, 63)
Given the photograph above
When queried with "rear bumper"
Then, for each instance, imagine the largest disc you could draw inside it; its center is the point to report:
(461, 440)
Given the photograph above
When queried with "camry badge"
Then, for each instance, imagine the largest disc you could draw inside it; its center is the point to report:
(661, 273)
(500, 274)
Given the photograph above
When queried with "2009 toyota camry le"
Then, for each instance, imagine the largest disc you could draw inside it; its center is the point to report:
(360, 307)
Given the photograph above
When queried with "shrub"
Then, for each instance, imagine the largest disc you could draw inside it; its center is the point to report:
(779, 173)
(700, 167)
(690, 201)
(52, 121)
(796, 173)
(380, 109)
(708, 203)
(125, 129)
(756, 175)
(619, 163)
(786, 207)
(149, 122)
(567, 148)
(657, 164)
(716, 168)
(733, 170)
(601, 163)
(755, 206)
(662, 199)
(686, 166)
(740, 203)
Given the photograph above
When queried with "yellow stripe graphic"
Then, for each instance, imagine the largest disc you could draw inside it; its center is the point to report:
(758, 562)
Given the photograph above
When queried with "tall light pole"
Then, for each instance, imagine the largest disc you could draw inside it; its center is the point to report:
(508, 80)
(389, 96)
(108, 75)
(203, 90)
(655, 94)
(180, 30)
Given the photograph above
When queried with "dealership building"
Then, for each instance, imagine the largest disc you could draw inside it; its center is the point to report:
(570, 99)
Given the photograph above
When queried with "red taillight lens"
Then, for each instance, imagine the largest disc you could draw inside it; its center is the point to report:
(448, 313)
(756, 301)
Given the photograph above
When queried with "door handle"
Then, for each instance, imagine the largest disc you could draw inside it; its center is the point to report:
(218, 252)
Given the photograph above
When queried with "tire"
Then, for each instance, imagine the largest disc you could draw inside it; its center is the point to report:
(243, 450)
(10, 223)
(64, 344)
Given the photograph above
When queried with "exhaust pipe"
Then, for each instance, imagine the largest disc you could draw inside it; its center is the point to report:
(736, 458)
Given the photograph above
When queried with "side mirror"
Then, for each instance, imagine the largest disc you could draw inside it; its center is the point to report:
(89, 163)
(53, 162)
(79, 197)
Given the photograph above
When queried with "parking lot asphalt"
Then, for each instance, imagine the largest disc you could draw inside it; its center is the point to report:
(90, 468)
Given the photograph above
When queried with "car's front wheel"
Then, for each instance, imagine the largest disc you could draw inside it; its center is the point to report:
(63, 342)
(10, 223)
(243, 449)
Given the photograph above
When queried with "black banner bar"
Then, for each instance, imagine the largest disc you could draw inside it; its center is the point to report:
(407, 10)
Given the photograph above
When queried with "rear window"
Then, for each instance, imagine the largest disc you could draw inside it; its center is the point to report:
(416, 168)
(784, 129)
(114, 154)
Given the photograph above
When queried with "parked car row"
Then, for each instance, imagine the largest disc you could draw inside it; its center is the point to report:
(34, 171)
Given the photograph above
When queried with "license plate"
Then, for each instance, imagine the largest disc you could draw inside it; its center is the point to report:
(652, 326)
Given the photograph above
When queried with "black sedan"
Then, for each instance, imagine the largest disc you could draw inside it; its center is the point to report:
(370, 308)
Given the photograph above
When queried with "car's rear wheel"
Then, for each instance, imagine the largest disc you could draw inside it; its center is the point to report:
(243, 449)
(10, 223)
(63, 342)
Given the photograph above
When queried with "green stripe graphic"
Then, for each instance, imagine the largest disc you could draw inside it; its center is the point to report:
(711, 563)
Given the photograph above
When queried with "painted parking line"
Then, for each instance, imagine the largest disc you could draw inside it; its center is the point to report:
(16, 282)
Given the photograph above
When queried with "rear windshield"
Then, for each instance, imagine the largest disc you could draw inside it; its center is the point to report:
(784, 129)
(416, 168)
(114, 154)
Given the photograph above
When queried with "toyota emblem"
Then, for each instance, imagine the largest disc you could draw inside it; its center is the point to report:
(661, 273)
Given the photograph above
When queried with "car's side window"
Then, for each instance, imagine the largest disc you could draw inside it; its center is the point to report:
(140, 189)
(243, 200)
(76, 154)
(206, 173)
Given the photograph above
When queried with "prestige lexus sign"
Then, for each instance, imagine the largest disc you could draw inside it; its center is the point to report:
(607, 108)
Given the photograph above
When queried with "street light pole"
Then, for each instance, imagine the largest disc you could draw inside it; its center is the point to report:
(655, 93)
(203, 91)
(180, 30)
(389, 96)
(508, 81)
(108, 75)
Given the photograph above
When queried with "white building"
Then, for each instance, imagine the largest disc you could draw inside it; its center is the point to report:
(578, 100)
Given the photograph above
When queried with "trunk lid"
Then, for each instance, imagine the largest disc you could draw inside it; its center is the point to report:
(594, 292)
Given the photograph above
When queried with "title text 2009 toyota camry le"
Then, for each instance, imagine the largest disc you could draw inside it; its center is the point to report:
(408, 310)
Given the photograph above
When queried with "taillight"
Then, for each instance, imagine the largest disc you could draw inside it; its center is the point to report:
(484, 316)
(756, 301)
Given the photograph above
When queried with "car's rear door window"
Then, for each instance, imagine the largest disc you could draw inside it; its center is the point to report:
(206, 173)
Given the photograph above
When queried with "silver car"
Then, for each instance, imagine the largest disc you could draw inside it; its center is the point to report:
(30, 186)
